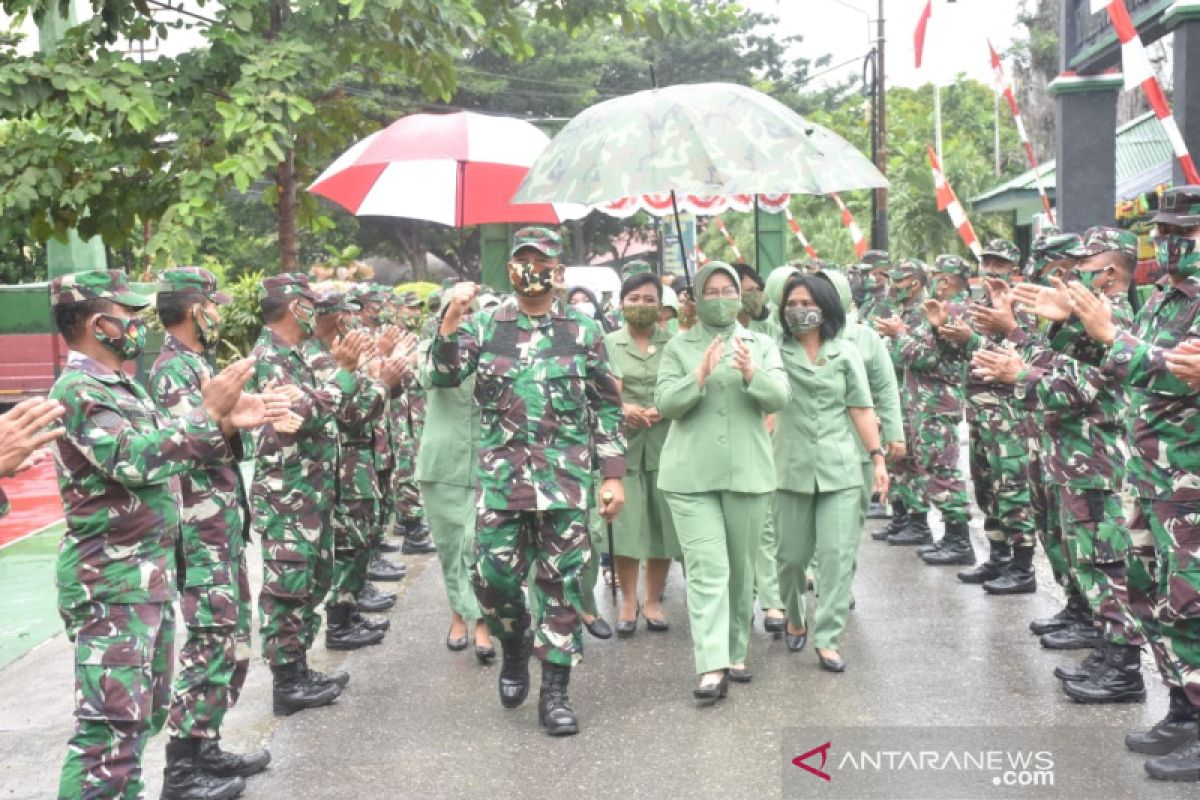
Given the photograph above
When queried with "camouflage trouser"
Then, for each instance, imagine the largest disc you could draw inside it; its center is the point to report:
(937, 460)
(122, 686)
(406, 497)
(1047, 518)
(216, 655)
(1099, 545)
(354, 527)
(506, 542)
(322, 580)
(981, 470)
(1141, 572)
(385, 508)
(292, 555)
(1008, 461)
(908, 482)
(1175, 526)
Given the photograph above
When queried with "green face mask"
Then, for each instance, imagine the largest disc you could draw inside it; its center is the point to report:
(903, 294)
(1088, 279)
(641, 316)
(1179, 255)
(753, 301)
(718, 312)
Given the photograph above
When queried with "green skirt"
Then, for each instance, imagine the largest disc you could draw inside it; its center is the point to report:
(644, 528)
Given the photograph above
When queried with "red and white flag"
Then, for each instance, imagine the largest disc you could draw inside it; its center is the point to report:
(919, 35)
(1005, 88)
(856, 234)
(729, 240)
(947, 201)
(795, 226)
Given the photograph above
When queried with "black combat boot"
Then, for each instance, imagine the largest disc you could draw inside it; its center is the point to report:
(915, 531)
(382, 625)
(1092, 662)
(956, 547)
(514, 668)
(372, 599)
(342, 634)
(386, 546)
(215, 761)
(554, 712)
(417, 539)
(897, 523)
(1119, 680)
(339, 678)
(999, 557)
(294, 692)
(183, 779)
(1076, 636)
(1017, 577)
(1177, 729)
(380, 569)
(1076, 610)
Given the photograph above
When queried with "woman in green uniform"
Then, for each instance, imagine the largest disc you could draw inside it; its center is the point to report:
(717, 383)
(643, 531)
(817, 462)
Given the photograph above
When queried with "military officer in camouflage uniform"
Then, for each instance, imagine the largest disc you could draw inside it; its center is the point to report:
(550, 412)
(876, 286)
(411, 415)
(293, 492)
(118, 464)
(215, 586)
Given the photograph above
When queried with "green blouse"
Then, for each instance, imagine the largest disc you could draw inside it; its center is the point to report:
(638, 372)
(816, 443)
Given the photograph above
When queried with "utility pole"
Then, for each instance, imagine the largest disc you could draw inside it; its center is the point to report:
(879, 238)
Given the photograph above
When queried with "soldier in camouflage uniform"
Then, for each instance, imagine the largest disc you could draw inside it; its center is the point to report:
(215, 586)
(293, 492)
(550, 412)
(876, 285)
(117, 465)
(408, 496)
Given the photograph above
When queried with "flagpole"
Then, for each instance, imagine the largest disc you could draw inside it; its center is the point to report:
(937, 118)
(996, 130)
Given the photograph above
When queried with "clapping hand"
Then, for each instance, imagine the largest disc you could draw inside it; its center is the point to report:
(348, 349)
(710, 359)
(891, 327)
(999, 318)
(1051, 302)
(392, 371)
(997, 366)
(936, 312)
(1184, 362)
(222, 392)
(743, 361)
(955, 331)
(23, 431)
(1095, 312)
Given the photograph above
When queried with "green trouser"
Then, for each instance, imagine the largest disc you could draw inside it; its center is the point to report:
(824, 524)
(450, 511)
(766, 575)
(718, 534)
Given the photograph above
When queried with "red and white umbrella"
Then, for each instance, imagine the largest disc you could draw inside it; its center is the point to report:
(457, 169)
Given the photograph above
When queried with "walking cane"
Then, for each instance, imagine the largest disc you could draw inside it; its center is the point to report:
(607, 497)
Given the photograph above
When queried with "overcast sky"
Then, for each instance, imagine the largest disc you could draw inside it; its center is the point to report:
(956, 40)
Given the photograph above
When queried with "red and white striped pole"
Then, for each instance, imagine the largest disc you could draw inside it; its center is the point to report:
(948, 201)
(1004, 87)
(1138, 72)
(728, 237)
(795, 226)
(856, 234)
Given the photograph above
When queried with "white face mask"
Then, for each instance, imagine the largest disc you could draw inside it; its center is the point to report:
(585, 308)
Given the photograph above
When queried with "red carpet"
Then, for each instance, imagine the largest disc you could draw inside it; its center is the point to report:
(35, 502)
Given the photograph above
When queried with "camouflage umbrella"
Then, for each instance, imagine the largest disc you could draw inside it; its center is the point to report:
(704, 139)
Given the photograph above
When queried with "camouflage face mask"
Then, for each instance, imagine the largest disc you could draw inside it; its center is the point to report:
(641, 316)
(802, 318)
(128, 344)
(1178, 254)
(208, 327)
(753, 301)
(530, 279)
(305, 318)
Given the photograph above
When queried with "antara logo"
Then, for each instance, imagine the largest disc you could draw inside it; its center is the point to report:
(818, 771)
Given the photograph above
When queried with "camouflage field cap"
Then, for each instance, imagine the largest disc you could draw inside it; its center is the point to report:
(909, 268)
(539, 238)
(1002, 248)
(333, 302)
(95, 284)
(1100, 239)
(1180, 206)
(1052, 247)
(876, 257)
(411, 300)
(957, 266)
(196, 280)
(287, 284)
(636, 267)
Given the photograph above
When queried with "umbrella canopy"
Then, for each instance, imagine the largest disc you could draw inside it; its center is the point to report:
(700, 139)
(457, 169)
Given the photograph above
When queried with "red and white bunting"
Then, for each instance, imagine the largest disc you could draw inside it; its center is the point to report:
(659, 205)
(795, 226)
(1135, 63)
(728, 238)
(856, 234)
(948, 201)
(1003, 86)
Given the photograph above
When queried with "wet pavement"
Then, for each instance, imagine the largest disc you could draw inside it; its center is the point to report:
(924, 653)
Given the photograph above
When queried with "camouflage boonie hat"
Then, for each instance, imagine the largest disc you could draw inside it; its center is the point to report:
(288, 284)
(874, 258)
(411, 300)
(95, 284)
(1100, 239)
(541, 239)
(192, 279)
(1002, 248)
(333, 302)
(1180, 206)
(953, 265)
(908, 268)
(636, 267)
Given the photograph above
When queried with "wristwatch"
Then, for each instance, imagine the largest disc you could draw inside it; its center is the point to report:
(879, 451)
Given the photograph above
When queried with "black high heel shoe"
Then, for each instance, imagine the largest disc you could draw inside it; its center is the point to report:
(712, 692)
(456, 644)
(834, 663)
(485, 654)
(795, 641)
(628, 627)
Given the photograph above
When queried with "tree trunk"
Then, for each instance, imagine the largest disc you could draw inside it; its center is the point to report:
(285, 209)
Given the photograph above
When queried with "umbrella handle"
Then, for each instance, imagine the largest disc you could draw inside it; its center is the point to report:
(679, 235)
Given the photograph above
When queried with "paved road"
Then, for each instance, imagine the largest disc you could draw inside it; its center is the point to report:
(419, 721)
